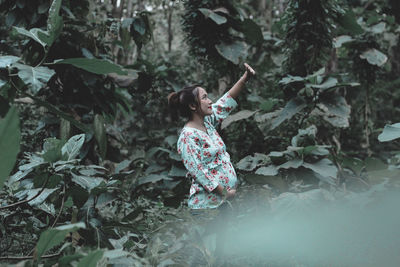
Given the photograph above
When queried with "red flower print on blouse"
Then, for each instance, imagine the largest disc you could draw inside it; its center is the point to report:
(207, 154)
(214, 172)
(228, 109)
(206, 145)
(196, 139)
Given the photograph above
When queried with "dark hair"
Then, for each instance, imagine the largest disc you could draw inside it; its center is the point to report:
(179, 102)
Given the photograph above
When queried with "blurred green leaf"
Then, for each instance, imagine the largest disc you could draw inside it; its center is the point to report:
(212, 15)
(233, 52)
(9, 143)
(91, 259)
(94, 65)
(390, 132)
(55, 236)
(100, 134)
(35, 77)
(374, 57)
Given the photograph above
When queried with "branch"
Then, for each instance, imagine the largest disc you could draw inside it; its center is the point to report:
(29, 257)
(61, 208)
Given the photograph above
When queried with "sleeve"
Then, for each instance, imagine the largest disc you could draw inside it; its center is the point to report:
(221, 109)
(191, 153)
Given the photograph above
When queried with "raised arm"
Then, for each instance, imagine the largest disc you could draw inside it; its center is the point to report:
(239, 85)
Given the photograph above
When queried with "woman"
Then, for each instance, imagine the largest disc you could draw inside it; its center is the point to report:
(202, 150)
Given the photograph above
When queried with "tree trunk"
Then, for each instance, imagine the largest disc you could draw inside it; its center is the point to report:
(170, 34)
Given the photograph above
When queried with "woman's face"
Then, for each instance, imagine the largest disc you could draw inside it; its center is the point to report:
(205, 102)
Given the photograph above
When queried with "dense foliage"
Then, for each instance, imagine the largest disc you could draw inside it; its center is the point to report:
(89, 171)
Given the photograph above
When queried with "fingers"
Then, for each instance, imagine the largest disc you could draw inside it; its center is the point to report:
(249, 69)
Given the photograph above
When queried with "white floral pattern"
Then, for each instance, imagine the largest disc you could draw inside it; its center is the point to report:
(206, 159)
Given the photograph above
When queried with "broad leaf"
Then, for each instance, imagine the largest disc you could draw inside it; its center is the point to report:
(94, 65)
(212, 15)
(324, 167)
(37, 35)
(41, 198)
(294, 106)
(340, 40)
(178, 172)
(6, 61)
(35, 77)
(291, 79)
(374, 57)
(9, 143)
(233, 52)
(86, 182)
(100, 134)
(52, 150)
(71, 149)
(390, 132)
(251, 31)
(291, 164)
(378, 28)
(331, 82)
(55, 236)
(54, 21)
(249, 163)
(268, 171)
(334, 110)
(349, 22)
(241, 115)
(91, 259)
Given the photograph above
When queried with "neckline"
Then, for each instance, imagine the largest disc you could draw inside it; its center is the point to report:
(206, 132)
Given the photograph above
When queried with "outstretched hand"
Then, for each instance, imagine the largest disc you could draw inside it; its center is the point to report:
(249, 72)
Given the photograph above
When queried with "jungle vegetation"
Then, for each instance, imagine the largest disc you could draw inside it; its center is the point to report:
(89, 172)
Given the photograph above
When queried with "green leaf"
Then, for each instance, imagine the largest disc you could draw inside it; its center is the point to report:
(334, 110)
(251, 31)
(249, 162)
(91, 259)
(54, 21)
(324, 167)
(294, 106)
(52, 149)
(177, 172)
(233, 52)
(241, 115)
(66, 260)
(94, 65)
(100, 134)
(34, 35)
(35, 77)
(270, 170)
(6, 61)
(390, 132)
(9, 143)
(331, 82)
(378, 28)
(53, 237)
(86, 182)
(212, 15)
(72, 148)
(340, 40)
(291, 164)
(374, 57)
(349, 22)
(291, 79)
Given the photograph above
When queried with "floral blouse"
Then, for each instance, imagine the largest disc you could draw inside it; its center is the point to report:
(204, 156)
